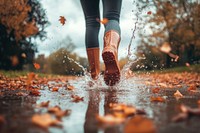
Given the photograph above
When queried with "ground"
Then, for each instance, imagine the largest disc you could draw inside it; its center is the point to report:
(139, 103)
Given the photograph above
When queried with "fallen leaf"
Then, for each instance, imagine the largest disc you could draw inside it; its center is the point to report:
(58, 112)
(44, 120)
(70, 87)
(55, 89)
(54, 109)
(157, 99)
(125, 109)
(30, 77)
(77, 98)
(149, 12)
(43, 104)
(21, 94)
(110, 119)
(180, 117)
(34, 92)
(155, 90)
(139, 124)
(192, 88)
(62, 20)
(177, 94)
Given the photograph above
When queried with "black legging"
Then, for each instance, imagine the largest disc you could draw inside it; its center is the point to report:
(111, 11)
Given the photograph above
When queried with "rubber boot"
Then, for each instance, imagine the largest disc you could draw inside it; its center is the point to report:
(110, 57)
(93, 59)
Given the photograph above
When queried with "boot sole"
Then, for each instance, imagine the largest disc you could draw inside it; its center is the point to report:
(112, 72)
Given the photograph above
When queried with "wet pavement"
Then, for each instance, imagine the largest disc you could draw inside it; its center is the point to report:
(18, 110)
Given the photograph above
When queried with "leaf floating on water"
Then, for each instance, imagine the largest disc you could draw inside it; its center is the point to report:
(77, 98)
(186, 113)
(58, 112)
(125, 109)
(43, 104)
(70, 87)
(157, 99)
(55, 89)
(139, 124)
(44, 120)
(110, 119)
(62, 20)
(149, 12)
(177, 94)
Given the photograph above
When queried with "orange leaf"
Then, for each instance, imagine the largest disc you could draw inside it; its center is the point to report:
(54, 89)
(157, 99)
(34, 92)
(110, 119)
(31, 76)
(62, 20)
(192, 88)
(36, 65)
(103, 21)
(140, 124)
(155, 90)
(44, 120)
(69, 87)
(77, 98)
(177, 94)
(43, 104)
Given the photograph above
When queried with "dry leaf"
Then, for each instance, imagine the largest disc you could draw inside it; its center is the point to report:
(139, 124)
(177, 94)
(157, 99)
(149, 12)
(62, 20)
(192, 88)
(58, 112)
(110, 119)
(54, 109)
(155, 90)
(44, 120)
(43, 104)
(34, 92)
(77, 98)
(70, 87)
(55, 89)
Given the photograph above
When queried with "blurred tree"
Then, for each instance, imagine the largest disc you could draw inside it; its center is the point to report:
(63, 61)
(177, 23)
(20, 22)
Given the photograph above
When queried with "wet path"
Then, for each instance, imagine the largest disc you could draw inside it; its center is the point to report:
(19, 110)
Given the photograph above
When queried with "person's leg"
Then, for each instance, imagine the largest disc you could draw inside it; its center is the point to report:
(91, 12)
(111, 41)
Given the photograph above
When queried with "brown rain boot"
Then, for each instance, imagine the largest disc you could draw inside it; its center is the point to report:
(93, 58)
(110, 57)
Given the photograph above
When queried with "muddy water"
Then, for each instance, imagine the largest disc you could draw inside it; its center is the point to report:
(18, 110)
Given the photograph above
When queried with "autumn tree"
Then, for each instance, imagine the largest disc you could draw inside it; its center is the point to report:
(176, 23)
(64, 61)
(21, 21)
